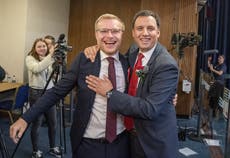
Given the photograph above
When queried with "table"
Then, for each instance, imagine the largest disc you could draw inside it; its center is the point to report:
(5, 86)
(7, 90)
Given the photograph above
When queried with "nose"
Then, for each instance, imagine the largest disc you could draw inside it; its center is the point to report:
(109, 33)
(145, 31)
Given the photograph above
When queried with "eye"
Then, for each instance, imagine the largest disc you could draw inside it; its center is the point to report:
(139, 28)
(106, 31)
(103, 31)
(115, 31)
(151, 29)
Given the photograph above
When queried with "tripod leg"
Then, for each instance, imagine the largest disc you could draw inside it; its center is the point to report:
(63, 126)
(60, 128)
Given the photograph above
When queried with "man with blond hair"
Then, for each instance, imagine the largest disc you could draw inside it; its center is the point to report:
(91, 131)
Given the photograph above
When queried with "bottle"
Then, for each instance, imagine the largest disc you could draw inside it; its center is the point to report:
(9, 79)
(13, 79)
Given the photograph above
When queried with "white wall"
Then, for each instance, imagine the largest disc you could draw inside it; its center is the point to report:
(12, 31)
(21, 22)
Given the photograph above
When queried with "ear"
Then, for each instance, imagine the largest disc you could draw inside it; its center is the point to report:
(133, 33)
(158, 33)
(96, 36)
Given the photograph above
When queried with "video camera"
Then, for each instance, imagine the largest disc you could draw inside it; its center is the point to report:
(61, 48)
(182, 40)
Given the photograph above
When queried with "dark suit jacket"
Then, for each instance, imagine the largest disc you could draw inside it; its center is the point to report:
(80, 68)
(153, 112)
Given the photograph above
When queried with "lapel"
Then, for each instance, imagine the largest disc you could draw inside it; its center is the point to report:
(94, 70)
(154, 55)
(150, 64)
(124, 63)
(96, 65)
(132, 58)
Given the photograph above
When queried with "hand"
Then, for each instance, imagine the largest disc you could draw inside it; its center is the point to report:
(209, 61)
(209, 58)
(17, 129)
(175, 99)
(90, 52)
(98, 85)
(52, 49)
(211, 67)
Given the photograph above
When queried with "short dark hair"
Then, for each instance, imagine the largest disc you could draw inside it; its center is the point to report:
(222, 55)
(50, 38)
(146, 13)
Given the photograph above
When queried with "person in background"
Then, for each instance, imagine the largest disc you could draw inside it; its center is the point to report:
(50, 40)
(219, 69)
(39, 63)
(217, 87)
(153, 84)
(91, 135)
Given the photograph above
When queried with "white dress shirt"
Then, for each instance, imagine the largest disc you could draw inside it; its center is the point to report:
(97, 122)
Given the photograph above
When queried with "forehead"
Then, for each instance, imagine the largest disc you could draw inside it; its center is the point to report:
(109, 23)
(40, 43)
(145, 20)
(48, 40)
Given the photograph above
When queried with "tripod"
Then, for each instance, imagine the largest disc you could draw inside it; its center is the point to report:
(56, 74)
(62, 137)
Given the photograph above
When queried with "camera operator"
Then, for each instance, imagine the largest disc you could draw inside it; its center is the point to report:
(219, 69)
(39, 63)
(217, 87)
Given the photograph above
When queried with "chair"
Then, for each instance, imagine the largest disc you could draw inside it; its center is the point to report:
(11, 106)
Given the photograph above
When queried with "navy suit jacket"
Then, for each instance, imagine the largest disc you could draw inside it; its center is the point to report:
(152, 109)
(80, 68)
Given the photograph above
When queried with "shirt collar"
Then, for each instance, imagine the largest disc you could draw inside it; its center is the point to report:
(149, 53)
(104, 55)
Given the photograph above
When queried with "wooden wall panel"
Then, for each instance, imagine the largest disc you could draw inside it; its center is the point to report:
(176, 16)
(188, 22)
(83, 14)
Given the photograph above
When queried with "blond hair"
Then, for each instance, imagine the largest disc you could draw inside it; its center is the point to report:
(109, 16)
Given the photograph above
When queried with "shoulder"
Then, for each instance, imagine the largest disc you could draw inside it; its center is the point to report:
(164, 56)
(132, 48)
(80, 60)
(80, 57)
(30, 58)
(122, 56)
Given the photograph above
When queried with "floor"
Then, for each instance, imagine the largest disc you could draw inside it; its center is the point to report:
(187, 129)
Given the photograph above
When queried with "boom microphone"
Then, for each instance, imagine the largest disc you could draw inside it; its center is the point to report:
(211, 51)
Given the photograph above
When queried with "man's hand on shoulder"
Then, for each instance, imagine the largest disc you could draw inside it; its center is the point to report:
(91, 52)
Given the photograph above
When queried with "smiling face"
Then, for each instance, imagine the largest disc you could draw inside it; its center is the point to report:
(220, 59)
(145, 32)
(108, 32)
(41, 48)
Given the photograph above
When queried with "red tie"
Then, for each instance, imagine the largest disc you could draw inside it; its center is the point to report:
(128, 121)
(111, 118)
